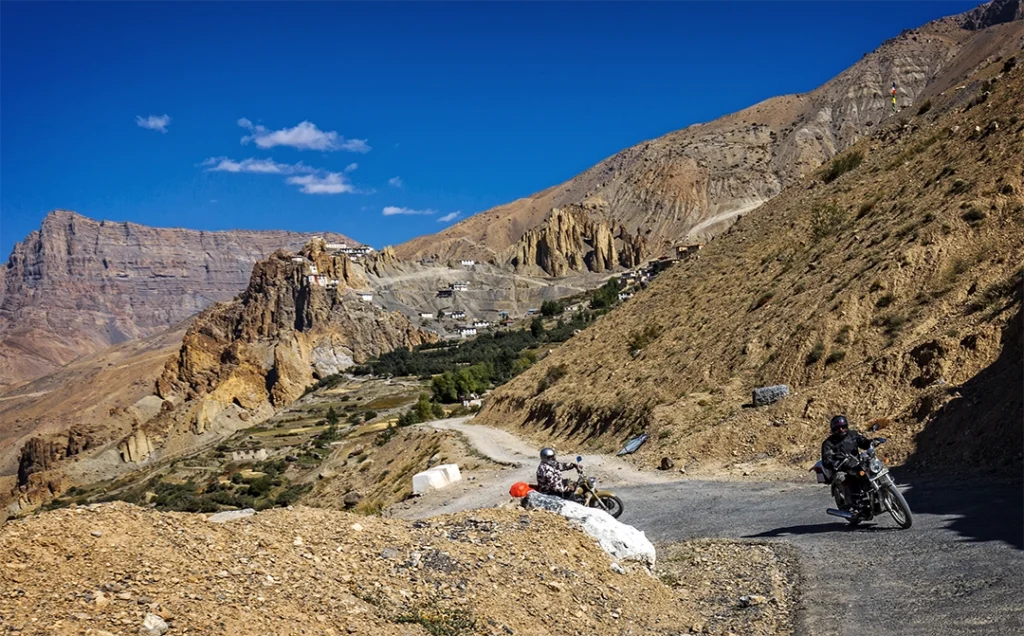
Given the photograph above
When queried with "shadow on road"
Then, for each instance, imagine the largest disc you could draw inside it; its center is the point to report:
(816, 528)
(980, 510)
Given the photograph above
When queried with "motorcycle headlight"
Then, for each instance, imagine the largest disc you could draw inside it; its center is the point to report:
(592, 481)
(875, 465)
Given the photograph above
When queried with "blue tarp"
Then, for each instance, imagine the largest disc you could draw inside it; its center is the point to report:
(634, 444)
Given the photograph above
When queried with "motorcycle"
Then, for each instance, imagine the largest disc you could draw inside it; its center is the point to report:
(877, 494)
(587, 493)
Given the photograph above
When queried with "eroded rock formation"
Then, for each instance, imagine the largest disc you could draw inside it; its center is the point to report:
(298, 320)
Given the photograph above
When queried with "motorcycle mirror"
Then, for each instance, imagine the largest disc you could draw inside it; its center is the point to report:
(579, 458)
(874, 427)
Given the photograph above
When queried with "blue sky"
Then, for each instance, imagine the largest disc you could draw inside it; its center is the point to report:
(323, 116)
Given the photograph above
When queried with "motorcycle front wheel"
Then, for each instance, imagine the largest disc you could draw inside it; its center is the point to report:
(612, 505)
(898, 507)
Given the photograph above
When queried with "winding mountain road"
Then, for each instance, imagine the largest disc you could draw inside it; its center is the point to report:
(958, 570)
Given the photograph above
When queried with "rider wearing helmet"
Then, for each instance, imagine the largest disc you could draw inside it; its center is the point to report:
(549, 475)
(842, 444)
(839, 453)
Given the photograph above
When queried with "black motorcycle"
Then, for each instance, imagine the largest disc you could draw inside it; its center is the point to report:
(863, 488)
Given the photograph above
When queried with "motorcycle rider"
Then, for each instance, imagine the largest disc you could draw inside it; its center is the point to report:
(839, 454)
(549, 475)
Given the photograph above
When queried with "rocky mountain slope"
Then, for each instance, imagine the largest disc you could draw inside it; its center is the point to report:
(77, 285)
(117, 570)
(694, 182)
(888, 284)
(235, 365)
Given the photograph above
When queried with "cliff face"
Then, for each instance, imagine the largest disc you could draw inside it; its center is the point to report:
(572, 241)
(695, 182)
(298, 320)
(77, 285)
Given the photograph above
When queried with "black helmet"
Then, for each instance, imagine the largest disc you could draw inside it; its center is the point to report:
(547, 454)
(838, 422)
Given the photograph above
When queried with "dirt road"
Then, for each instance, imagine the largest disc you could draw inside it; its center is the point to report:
(959, 570)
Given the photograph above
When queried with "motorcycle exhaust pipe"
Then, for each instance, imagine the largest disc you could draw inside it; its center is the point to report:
(840, 513)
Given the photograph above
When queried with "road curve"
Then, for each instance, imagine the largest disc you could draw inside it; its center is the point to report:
(959, 570)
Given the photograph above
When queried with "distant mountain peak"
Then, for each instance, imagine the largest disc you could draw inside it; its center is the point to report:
(991, 14)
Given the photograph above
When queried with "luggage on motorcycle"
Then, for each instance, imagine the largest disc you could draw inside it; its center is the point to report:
(823, 474)
(519, 489)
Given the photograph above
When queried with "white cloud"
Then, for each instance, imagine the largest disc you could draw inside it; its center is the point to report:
(396, 182)
(451, 216)
(253, 165)
(304, 136)
(154, 122)
(392, 210)
(352, 167)
(330, 183)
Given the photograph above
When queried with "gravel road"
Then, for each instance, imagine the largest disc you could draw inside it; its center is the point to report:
(958, 570)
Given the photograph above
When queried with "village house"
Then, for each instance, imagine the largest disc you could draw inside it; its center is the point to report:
(365, 296)
(481, 324)
(467, 262)
(425, 316)
(457, 315)
(459, 286)
(445, 293)
(466, 332)
(625, 295)
(255, 455)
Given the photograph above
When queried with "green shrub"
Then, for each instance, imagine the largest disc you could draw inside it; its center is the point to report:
(639, 339)
(842, 165)
(816, 352)
(886, 300)
(762, 300)
(843, 336)
(826, 220)
(925, 107)
(973, 216)
(835, 356)
(891, 323)
(959, 186)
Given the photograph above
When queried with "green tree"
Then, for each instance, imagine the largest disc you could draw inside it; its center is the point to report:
(332, 417)
(537, 327)
(550, 308)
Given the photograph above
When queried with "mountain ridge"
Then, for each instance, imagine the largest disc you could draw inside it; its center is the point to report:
(692, 183)
(77, 285)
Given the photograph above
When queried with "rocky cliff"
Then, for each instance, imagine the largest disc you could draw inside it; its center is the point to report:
(298, 320)
(570, 240)
(698, 180)
(77, 285)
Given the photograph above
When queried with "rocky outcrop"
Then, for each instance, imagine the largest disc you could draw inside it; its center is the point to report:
(77, 285)
(575, 239)
(297, 321)
(40, 454)
(991, 14)
(136, 448)
(695, 182)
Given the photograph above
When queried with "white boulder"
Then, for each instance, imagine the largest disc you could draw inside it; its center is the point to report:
(621, 541)
(435, 478)
(231, 515)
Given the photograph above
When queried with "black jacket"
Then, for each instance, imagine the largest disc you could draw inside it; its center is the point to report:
(838, 446)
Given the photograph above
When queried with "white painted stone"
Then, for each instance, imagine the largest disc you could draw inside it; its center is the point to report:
(231, 515)
(435, 478)
(622, 541)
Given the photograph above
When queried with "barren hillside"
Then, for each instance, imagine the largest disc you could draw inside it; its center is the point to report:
(888, 288)
(696, 181)
(109, 570)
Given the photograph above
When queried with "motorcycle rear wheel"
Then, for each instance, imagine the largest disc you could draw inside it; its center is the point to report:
(898, 507)
(612, 505)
